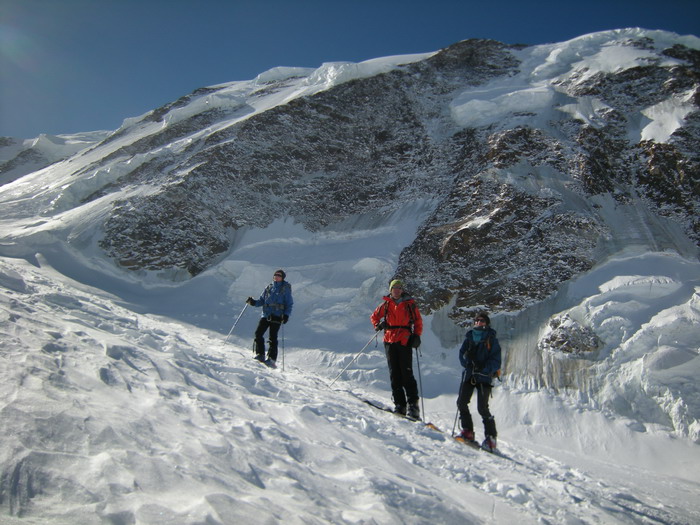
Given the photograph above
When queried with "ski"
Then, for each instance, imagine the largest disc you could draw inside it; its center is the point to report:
(268, 363)
(477, 446)
(387, 409)
(461, 440)
(403, 416)
(471, 444)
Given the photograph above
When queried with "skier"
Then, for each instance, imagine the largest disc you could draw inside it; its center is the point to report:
(480, 355)
(276, 301)
(401, 321)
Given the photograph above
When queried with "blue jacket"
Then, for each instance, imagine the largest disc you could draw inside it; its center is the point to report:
(276, 300)
(480, 355)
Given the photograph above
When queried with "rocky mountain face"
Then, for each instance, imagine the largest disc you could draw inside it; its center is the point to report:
(494, 242)
(523, 198)
(364, 145)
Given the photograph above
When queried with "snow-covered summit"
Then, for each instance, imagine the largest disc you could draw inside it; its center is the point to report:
(542, 86)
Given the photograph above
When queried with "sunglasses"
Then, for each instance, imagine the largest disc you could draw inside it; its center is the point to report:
(480, 321)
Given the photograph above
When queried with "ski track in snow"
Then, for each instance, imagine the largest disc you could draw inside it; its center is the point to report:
(121, 414)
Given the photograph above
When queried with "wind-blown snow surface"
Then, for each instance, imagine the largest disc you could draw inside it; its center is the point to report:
(115, 416)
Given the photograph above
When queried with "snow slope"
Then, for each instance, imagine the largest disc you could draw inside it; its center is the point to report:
(118, 417)
(20, 157)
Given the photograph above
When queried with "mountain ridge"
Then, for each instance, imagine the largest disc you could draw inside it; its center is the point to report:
(553, 135)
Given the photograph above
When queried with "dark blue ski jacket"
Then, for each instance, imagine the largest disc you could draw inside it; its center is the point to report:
(480, 355)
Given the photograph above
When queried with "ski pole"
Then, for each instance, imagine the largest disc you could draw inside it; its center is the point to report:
(238, 319)
(353, 359)
(282, 347)
(461, 386)
(420, 384)
(235, 323)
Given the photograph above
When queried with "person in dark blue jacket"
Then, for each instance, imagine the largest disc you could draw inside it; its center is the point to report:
(276, 301)
(480, 355)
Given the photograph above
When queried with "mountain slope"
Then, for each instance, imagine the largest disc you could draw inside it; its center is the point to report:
(533, 154)
(20, 157)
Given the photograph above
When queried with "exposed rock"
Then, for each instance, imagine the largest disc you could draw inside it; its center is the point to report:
(569, 337)
(516, 200)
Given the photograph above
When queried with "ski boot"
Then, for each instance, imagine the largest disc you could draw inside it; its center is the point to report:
(489, 444)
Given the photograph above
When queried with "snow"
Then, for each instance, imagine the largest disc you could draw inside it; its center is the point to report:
(588, 110)
(54, 146)
(334, 73)
(530, 97)
(123, 403)
(289, 83)
(470, 111)
(666, 117)
(42, 151)
(534, 95)
(649, 351)
(331, 74)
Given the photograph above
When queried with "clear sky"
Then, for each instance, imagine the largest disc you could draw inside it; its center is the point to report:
(81, 65)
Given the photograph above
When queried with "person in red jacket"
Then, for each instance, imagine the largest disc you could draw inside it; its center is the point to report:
(401, 321)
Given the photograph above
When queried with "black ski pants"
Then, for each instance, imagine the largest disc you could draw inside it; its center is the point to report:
(403, 385)
(273, 323)
(483, 392)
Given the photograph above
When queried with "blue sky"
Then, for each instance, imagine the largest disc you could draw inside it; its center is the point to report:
(81, 65)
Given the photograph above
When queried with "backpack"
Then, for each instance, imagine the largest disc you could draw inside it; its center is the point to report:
(471, 350)
(411, 312)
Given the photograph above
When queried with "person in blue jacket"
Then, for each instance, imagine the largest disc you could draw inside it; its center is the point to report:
(480, 355)
(276, 301)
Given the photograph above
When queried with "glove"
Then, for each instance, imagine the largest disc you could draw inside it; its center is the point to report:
(380, 326)
(285, 318)
(414, 342)
(250, 301)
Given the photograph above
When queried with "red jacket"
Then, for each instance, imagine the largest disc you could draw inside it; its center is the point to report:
(400, 315)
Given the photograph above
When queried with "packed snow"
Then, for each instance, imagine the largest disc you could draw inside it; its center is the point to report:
(124, 404)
